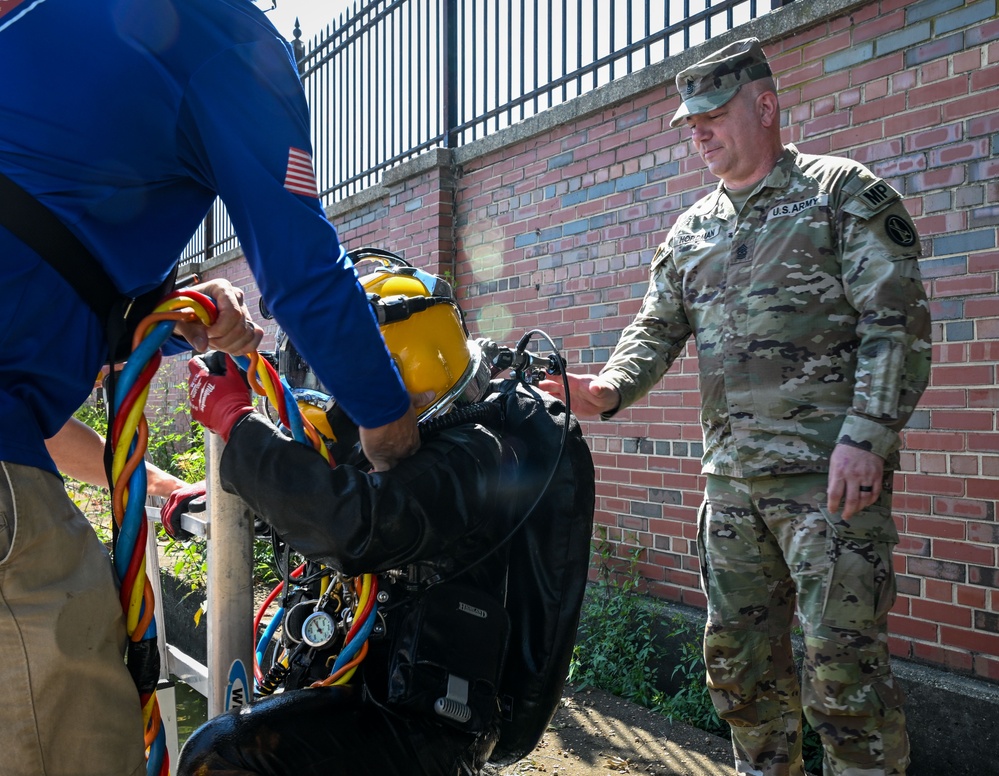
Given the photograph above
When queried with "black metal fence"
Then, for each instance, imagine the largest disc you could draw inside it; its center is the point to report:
(393, 78)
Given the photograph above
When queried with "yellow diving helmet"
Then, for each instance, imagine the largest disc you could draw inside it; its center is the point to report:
(424, 331)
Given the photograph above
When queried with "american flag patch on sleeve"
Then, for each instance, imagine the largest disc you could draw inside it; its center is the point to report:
(299, 177)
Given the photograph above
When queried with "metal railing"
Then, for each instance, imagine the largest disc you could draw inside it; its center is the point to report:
(394, 78)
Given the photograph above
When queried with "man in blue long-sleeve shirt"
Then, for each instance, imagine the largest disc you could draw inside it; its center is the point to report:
(125, 118)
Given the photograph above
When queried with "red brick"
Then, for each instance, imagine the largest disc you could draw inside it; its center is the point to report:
(906, 121)
(913, 545)
(963, 552)
(939, 397)
(963, 108)
(938, 178)
(875, 109)
(959, 660)
(965, 508)
(934, 440)
(981, 307)
(972, 597)
(963, 421)
(988, 328)
(958, 153)
(878, 26)
(964, 375)
(912, 628)
(973, 640)
(934, 136)
(899, 647)
(983, 488)
(936, 528)
(986, 667)
(986, 443)
(939, 91)
(985, 79)
(933, 463)
(983, 351)
(940, 591)
(917, 503)
(941, 613)
(964, 465)
(966, 61)
(983, 125)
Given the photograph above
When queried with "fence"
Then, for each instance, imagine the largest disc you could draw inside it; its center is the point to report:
(397, 77)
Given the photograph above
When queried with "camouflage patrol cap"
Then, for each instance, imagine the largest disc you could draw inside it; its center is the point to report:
(717, 78)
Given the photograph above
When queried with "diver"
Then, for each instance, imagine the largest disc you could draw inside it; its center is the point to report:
(460, 571)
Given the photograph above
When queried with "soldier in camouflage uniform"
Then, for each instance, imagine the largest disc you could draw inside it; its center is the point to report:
(798, 278)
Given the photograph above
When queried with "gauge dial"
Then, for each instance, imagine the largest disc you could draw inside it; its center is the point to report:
(318, 629)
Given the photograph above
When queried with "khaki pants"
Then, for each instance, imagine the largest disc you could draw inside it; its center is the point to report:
(68, 706)
(769, 547)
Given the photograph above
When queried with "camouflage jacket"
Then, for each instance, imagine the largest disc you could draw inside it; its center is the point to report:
(808, 312)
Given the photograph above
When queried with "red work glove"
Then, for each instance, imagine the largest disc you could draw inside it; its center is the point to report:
(190, 498)
(219, 395)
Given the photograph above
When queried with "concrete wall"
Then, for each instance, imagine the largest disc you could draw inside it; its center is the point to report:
(551, 224)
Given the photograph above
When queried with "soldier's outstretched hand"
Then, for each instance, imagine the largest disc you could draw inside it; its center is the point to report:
(589, 395)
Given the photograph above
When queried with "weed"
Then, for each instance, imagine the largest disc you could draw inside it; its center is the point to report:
(189, 558)
(616, 650)
(691, 704)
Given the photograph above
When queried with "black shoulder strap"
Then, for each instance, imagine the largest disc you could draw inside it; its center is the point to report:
(38, 228)
(42, 231)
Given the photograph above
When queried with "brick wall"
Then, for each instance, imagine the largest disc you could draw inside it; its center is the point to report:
(552, 226)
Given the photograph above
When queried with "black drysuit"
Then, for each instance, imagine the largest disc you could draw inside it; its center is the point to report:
(437, 515)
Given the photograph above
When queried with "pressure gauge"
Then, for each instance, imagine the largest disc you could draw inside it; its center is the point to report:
(318, 629)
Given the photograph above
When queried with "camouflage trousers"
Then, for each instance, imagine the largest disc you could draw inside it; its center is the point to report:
(765, 545)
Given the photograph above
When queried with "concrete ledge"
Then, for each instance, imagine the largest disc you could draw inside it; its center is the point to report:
(952, 719)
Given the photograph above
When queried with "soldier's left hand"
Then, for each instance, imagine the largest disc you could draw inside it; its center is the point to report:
(855, 478)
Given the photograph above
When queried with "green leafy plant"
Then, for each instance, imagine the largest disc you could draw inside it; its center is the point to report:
(176, 445)
(189, 559)
(691, 704)
(616, 650)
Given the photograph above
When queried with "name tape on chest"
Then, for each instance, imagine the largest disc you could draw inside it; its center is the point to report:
(688, 239)
(785, 209)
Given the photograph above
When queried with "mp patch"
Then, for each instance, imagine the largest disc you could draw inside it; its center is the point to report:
(878, 195)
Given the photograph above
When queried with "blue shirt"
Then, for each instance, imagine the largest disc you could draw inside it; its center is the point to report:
(126, 118)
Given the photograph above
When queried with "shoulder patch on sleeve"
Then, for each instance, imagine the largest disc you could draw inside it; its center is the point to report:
(871, 200)
(900, 231)
(661, 255)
